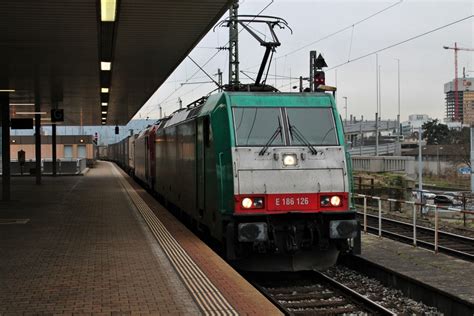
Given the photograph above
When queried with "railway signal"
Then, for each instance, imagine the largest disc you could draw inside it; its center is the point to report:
(96, 138)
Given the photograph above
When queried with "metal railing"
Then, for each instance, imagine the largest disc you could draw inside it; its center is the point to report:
(423, 208)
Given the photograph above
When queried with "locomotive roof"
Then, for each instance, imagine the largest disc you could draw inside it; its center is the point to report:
(250, 99)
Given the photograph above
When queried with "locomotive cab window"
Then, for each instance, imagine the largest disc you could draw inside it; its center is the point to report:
(256, 126)
(303, 126)
(315, 126)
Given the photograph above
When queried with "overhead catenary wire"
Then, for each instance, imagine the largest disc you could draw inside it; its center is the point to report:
(402, 42)
(164, 101)
(396, 44)
(336, 32)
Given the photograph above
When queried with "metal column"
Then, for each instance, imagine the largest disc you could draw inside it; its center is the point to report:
(5, 105)
(376, 134)
(420, 165)
(472, 158)
(37, 137)
(54, 148)
(234, 44)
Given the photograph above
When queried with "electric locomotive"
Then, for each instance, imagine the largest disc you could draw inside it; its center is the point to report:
(266, 174)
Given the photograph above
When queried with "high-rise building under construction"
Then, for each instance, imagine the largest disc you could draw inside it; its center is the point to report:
(465, 106)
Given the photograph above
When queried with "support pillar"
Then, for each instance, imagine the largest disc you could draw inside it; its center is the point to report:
(54, 148)
(38, 138)
(5, 111)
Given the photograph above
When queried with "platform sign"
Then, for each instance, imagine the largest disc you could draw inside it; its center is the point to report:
(22, 123)
(57, 115)
(464, 170)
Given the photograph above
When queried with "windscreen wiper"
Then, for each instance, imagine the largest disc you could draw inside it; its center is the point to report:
(270, 141)
(302, 139)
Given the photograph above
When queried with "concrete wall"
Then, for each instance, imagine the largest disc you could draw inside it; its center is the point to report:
(384, 164)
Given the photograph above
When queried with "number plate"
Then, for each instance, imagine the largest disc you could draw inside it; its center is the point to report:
(289, 202)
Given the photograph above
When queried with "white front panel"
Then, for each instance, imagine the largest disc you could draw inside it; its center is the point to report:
(291, 181)
(323, 172)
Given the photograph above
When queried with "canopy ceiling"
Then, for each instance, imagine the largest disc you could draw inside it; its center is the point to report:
(52, 50)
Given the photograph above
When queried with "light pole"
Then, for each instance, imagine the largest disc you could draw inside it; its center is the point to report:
(380, 91)
(420, 166)
(345, 108)
(398, 116)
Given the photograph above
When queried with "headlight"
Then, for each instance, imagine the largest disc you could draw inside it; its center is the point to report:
(253, 203)
(247, 203)
(289, 159)
(335, 200)
(331, 201)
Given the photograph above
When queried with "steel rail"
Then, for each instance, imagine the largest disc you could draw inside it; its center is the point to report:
(307, 300)
(374, 307)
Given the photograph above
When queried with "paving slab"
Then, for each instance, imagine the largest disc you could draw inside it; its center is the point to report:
(84, 250)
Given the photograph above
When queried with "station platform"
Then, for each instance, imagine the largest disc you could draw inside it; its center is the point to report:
(448, 274)
(99, 244)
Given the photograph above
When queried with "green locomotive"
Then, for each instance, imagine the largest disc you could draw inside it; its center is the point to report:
(266, 174)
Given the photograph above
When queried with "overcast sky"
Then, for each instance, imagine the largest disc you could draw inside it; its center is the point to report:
(424, 65)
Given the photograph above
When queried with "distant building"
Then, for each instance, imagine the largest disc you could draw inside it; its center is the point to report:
(468, 107)
(465, 110)
(67, 147)
(106, 134)
(415, 121)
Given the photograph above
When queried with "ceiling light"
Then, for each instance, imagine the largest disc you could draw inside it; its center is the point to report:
(104, 90)
(7, 90)
(104, 104)
(104, 112)
(104, 118)
(107, 10)
(29, 104)
(30, 113)
(105, 65)
(103, 123)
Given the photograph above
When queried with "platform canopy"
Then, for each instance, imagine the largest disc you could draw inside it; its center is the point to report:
(54, 50)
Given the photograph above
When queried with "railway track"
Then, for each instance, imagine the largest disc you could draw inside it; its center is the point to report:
(449, 243)
(314, 293)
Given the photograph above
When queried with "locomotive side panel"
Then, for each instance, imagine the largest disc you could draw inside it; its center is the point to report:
(186, 164)
(131, 152)
(172, 178)
(140, 154)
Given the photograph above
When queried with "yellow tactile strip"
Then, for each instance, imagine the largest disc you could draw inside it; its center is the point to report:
(206, 295)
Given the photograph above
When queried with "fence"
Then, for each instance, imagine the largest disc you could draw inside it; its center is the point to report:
(416, 207)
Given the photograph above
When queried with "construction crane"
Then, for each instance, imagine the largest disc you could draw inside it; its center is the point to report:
(456, 97)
